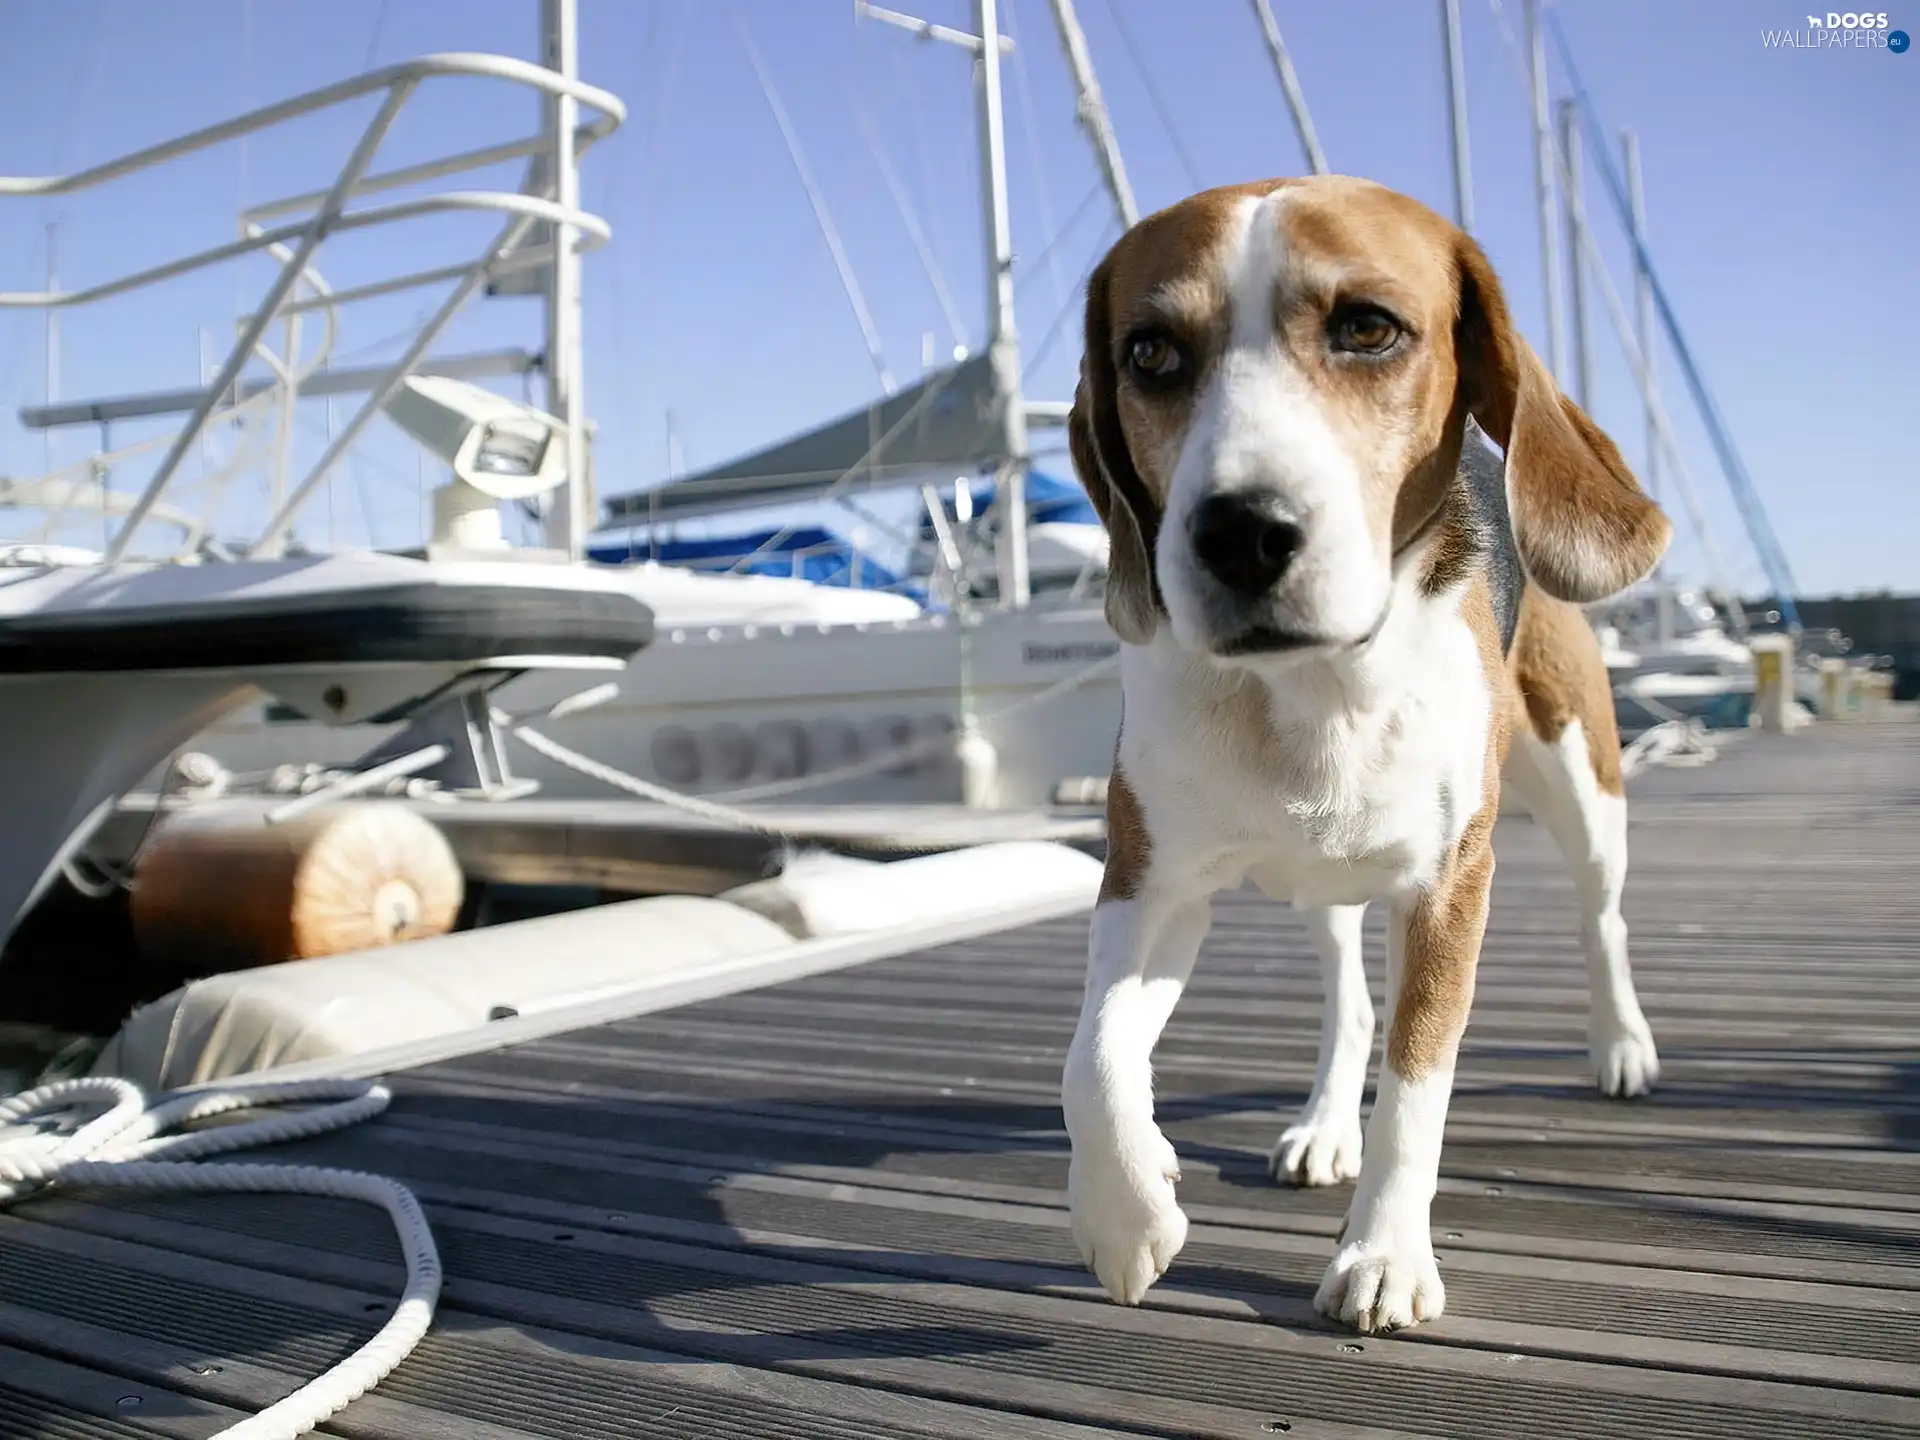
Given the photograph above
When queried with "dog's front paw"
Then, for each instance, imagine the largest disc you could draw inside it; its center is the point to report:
(1318, 1149)
(1374, 1286)
(1125, 1218)
(1624, 1060)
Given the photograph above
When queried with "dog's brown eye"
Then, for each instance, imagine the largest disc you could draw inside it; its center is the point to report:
(1365, 330)
(1153, 357)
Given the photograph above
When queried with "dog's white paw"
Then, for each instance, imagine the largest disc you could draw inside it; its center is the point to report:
(1318, 1149)
(1125, 1218)
(1624, 1060)
(1374, 1286)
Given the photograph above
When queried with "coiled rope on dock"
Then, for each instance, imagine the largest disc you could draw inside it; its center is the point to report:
(1674, 739)
(46, 1142)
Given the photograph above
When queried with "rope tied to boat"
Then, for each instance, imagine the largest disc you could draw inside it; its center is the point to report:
(46, 1142)
(731, 815)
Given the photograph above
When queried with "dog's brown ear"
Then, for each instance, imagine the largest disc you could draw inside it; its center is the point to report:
(1584, 528)
(1105, 467)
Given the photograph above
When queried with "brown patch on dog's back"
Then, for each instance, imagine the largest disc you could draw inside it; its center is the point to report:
(1129, 847)
(1562, 677)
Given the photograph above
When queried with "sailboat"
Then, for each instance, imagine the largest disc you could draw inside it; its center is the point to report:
(111, 660)
(1017, 659)
(987, 677)
(982, 672)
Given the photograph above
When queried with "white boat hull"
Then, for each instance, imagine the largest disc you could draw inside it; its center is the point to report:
(740, 709)
(105, 671)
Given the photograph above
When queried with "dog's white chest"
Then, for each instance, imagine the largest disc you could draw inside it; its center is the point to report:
(1366, 811)
(1319, 803)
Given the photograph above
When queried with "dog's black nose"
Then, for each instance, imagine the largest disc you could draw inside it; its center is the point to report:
(1245, 540)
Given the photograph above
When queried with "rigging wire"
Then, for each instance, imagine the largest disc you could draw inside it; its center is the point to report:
(1054, 330)
(649, 157)
(1043, 191)
(916, 125)
(829, 232)
(1290, 88)
(373, 41)
(726, 358)
(928, 262)
(1630, 347)
(1760, 531)
(1160, 105)
(1098, 189)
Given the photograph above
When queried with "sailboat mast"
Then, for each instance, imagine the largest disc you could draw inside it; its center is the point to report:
(1003, 342)
(53, 333)
(572, 512)
(1576, 258)
(1290, 87)
(1543, 190)
(1003, 334)
(1643, 295)
(1092, 110)
(1643, 336)
(1457, 115)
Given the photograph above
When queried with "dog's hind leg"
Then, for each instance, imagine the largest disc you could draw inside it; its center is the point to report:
(1565, 763)
(1322, 1145)
(1556, 778)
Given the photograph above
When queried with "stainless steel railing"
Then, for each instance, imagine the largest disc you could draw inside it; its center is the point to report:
(323, 213)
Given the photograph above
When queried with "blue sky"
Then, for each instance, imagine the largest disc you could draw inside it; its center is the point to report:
(1781, 186)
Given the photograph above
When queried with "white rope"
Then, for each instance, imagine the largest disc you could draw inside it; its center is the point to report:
(1679, 741)
(715, 810)
(690, 804)
(633, 784)
(725, 814)
(44, 1142)
(933, 744)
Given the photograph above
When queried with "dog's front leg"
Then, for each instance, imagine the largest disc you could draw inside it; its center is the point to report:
(1120, 1181)
(1383, 1276)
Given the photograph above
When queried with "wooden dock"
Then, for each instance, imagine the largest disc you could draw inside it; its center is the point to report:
(834, 1208)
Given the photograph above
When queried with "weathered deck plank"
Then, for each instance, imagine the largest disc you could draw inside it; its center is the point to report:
(834, 1208)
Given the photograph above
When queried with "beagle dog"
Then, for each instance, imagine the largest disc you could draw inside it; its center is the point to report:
(1345, 621)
